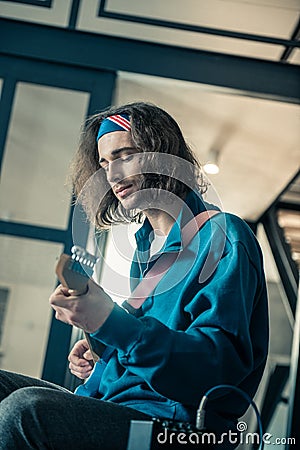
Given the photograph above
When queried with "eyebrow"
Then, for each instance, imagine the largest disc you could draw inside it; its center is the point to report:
(117, 152)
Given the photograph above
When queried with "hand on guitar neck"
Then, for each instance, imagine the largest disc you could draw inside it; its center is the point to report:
(79, 301)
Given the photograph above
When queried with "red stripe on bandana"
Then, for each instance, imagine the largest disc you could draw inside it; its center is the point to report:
(121, 121)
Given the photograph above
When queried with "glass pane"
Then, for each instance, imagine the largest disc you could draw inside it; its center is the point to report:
(115, 268)
(58, 14)
(27, 272)
(42, 137)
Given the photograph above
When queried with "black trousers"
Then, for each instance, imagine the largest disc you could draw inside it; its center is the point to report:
(35, 414)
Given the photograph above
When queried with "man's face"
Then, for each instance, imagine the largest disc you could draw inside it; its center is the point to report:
(116, 156)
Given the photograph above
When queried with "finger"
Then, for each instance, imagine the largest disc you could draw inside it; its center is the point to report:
(59, 295)
(61, 290)
(80, 369)
(81, 376)
(78, 362)
(78, 349)
(63, 301)
(59, 314)
(74, 293)
(88, 355)
(79, 372)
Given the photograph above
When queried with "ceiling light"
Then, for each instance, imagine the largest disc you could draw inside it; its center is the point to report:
(211, 166)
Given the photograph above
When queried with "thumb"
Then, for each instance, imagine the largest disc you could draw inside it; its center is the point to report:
(88, 355)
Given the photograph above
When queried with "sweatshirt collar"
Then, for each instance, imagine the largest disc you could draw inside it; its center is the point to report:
(193, 205)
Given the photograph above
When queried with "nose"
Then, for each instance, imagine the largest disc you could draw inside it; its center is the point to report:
(114, 172)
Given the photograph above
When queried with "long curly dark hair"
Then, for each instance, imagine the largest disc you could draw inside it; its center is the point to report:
(152, 130)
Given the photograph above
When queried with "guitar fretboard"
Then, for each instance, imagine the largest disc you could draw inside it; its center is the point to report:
(82, 262)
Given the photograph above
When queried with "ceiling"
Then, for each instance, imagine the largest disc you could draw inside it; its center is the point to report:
(275, 18)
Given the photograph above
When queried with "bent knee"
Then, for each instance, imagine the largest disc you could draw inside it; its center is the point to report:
(25, 400)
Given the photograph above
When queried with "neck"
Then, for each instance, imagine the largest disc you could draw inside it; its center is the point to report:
(160, 220)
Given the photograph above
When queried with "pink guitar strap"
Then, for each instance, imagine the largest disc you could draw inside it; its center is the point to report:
(163, 264)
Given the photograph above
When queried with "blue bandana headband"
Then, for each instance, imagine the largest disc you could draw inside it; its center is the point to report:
(117, 122)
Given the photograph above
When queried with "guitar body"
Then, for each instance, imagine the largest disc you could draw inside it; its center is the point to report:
(74, 271)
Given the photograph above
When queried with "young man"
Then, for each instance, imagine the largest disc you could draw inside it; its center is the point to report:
(203, 324)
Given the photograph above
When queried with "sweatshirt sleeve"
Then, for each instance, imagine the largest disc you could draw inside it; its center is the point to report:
(218, 347)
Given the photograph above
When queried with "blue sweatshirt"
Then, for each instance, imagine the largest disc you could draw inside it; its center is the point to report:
(205, 324)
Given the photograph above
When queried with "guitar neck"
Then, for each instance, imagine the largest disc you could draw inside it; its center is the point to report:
(96, 348)
(74, 273)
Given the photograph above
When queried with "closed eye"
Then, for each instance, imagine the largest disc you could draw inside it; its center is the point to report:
(127, 158)
(103, 164)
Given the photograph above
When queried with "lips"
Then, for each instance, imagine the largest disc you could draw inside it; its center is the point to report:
(122, 191)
